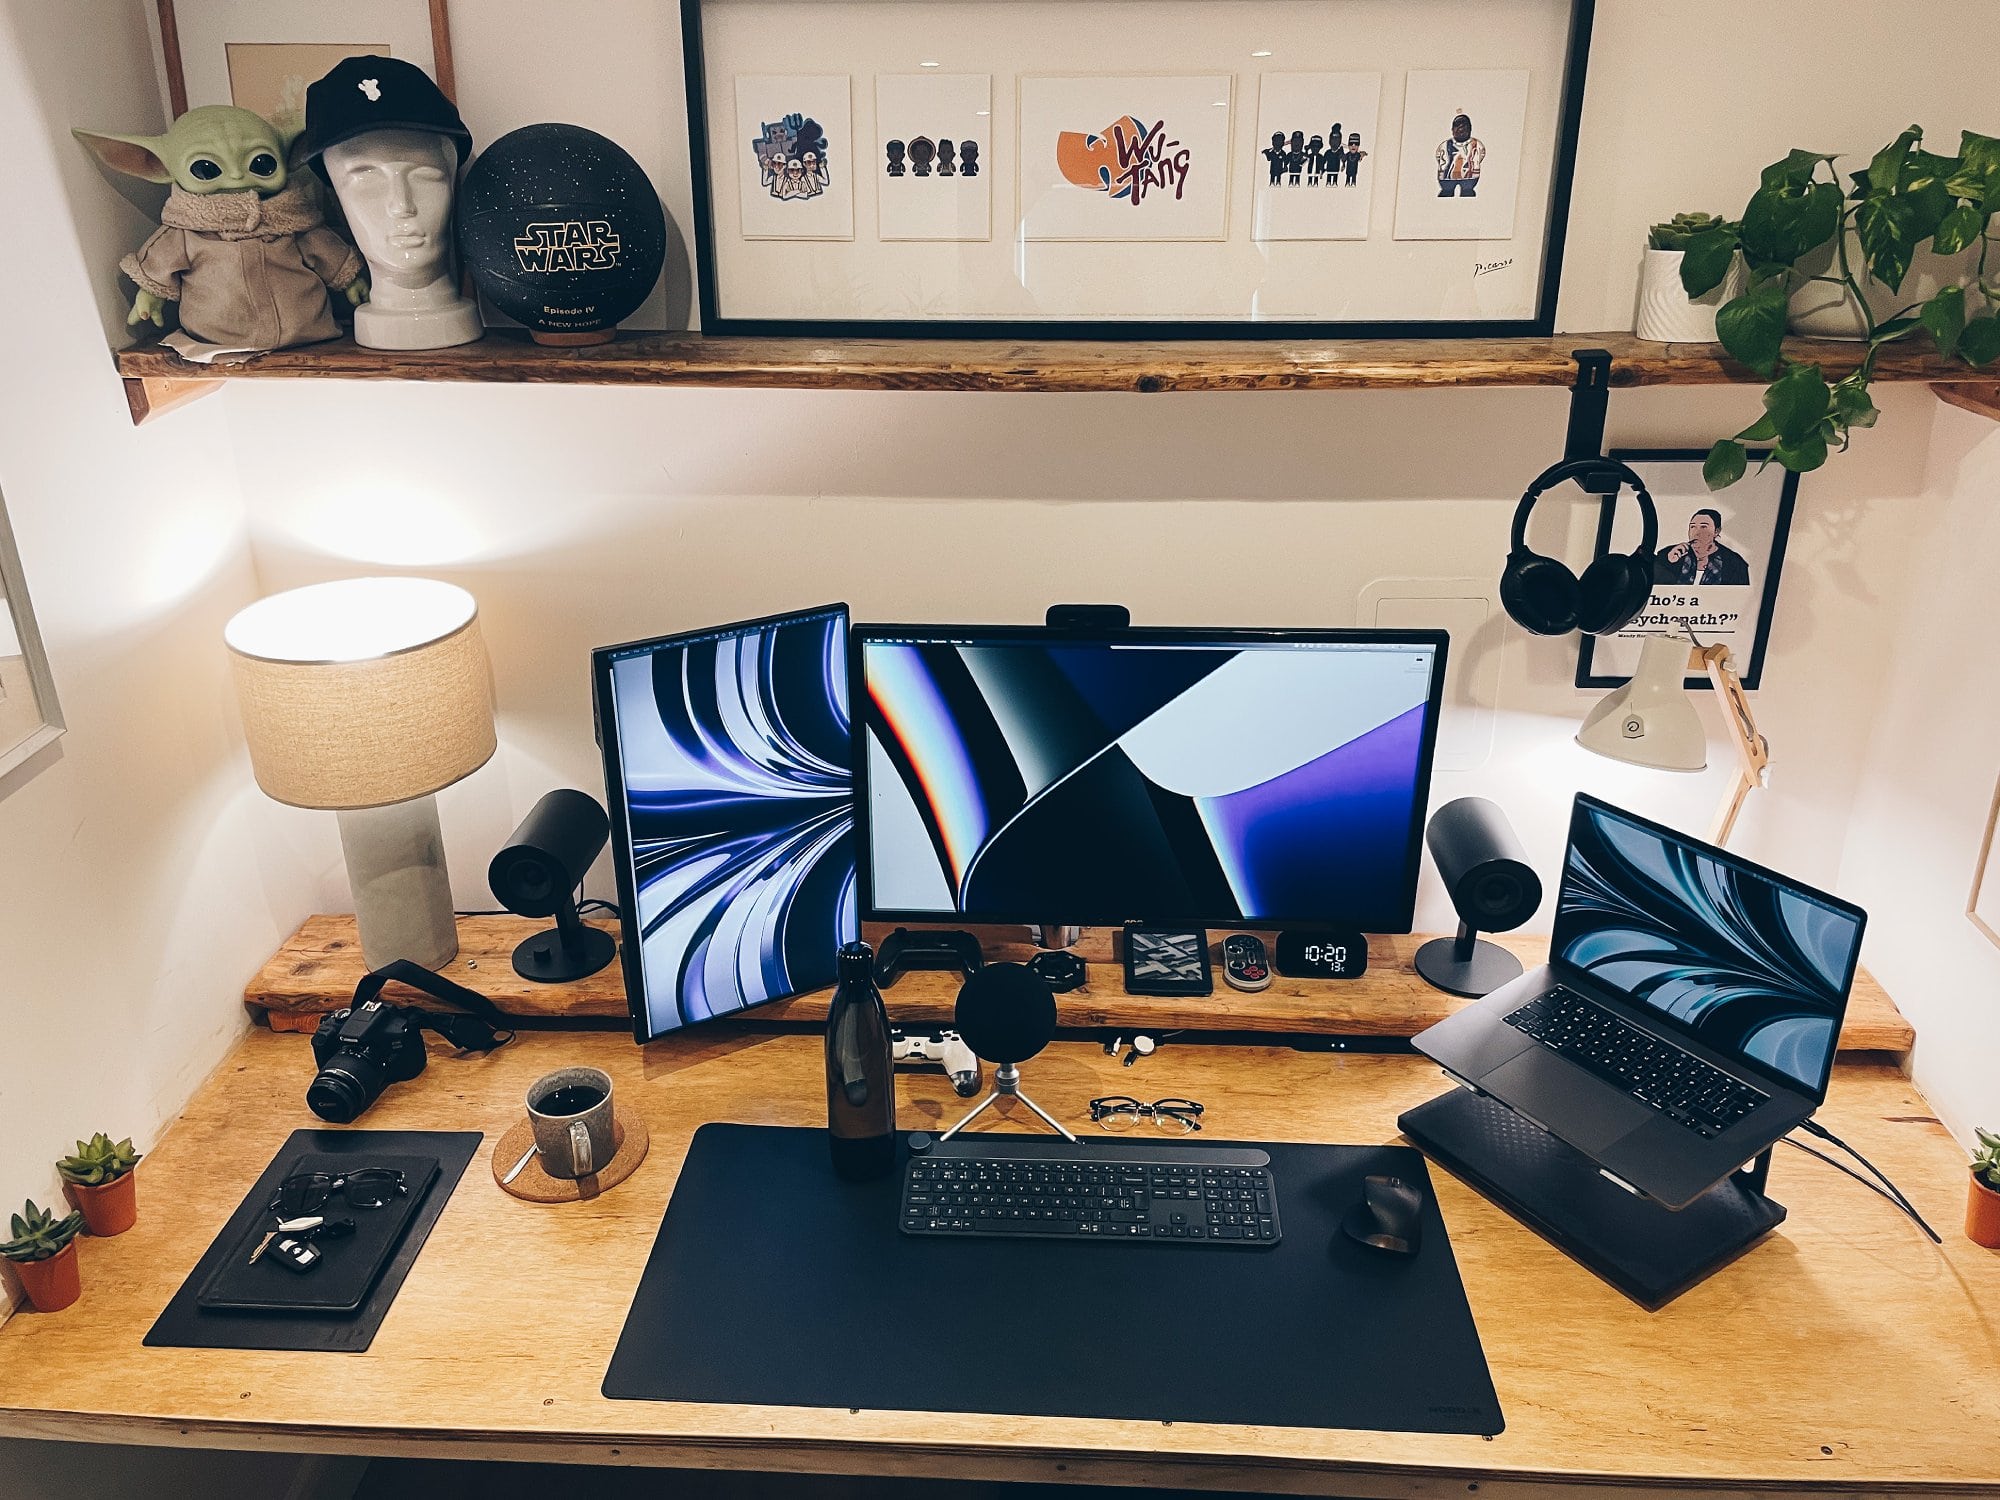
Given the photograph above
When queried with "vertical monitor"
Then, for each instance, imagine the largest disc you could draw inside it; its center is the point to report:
(1168, 776)
(727, 773)
(1754, 965)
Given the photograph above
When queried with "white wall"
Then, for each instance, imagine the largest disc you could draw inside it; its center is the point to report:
(139, 883)
(1921, 814)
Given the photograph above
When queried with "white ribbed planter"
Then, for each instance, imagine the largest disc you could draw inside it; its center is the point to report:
(1822, 310)
(1667, 313)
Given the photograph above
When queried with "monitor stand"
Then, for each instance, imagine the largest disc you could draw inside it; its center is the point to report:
(1649, 1252)
(1057, 964)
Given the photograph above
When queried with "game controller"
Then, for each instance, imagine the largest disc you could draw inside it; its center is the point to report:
(906, 949)
(948, 1050)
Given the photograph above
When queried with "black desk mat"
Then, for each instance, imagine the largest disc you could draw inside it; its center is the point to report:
(846, 1310)
(185, 1324)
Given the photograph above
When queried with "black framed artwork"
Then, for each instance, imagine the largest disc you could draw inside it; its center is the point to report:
(1715, 568)
(1113, 169)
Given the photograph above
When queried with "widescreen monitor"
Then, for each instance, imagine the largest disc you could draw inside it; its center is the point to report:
(1756, 965)
(726, 772)
(1204, 777)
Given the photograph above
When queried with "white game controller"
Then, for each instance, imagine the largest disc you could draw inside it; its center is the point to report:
(948, 1050)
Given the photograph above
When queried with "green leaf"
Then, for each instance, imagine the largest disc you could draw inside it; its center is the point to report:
(1944, 316)
(1798, 402)
(1958, 229)
(1803, 456)
(1851, 405)
(1760, 431)
(1979, 344)
(1978, 178)
(1885, 224)
(1706, 259)
(1895, 328)
(1752, 326)
(1781, 226)
(1886, 170)
(1724, 465)
(1796, 170)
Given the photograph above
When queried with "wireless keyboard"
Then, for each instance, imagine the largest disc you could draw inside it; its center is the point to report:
(1023, 1187)
(1694, 1094)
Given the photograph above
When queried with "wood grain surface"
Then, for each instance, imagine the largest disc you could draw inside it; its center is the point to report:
(1845, 1355)
(1040, 365)
(320, 964)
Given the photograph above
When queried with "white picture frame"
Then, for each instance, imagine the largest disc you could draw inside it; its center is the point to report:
(1306, 187)
(1113, 158)
(933, 144)
(30, 717)
(790, 187)
(1982, 904)
(1452, 190)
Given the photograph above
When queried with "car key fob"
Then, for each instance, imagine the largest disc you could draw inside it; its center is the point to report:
(1245, 966)
(297, 1255)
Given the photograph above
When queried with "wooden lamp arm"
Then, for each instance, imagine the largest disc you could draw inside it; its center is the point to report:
(1753, 751)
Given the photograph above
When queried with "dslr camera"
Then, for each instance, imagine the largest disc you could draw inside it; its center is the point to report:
(368, 1045)
(361, 1050)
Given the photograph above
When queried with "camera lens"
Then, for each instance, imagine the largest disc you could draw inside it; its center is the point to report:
(347, 1085)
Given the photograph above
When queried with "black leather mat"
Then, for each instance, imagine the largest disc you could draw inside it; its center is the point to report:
(186, 1324)
(772, 1282)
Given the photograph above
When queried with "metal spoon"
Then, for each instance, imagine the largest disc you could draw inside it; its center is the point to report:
(520, 1166)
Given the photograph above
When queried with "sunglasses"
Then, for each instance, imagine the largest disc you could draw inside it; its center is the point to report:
(370, 1187)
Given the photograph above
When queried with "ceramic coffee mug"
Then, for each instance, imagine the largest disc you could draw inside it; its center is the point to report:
(570, 1110)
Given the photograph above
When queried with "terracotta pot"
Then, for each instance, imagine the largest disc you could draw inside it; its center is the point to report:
(54, 1283)
(109, 1208)
(1982, 1214)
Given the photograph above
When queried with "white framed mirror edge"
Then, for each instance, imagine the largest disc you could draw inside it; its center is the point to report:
(41, 681)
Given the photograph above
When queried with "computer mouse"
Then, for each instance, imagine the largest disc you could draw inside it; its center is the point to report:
(1389, 1217)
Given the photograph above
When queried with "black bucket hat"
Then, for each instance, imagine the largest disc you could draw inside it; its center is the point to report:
(377, 93)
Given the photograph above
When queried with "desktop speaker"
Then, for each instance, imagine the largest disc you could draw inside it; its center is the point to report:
(1006, 1013)
(536, 875)
(1493, 889)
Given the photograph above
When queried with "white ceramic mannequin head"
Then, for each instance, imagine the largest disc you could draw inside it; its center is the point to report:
(395, 187)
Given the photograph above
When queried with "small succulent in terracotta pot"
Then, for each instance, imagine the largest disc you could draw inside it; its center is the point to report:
(1982, 1206)
(44, 1255)
(100, 1182)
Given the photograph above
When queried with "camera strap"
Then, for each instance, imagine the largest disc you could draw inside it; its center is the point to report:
(481, 1031)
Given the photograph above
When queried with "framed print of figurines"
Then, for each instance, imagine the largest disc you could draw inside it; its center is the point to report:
(794, 149)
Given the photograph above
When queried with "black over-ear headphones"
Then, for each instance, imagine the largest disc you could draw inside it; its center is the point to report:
(1544, 596)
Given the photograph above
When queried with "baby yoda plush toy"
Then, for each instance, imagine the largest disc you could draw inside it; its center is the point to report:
(242, 246)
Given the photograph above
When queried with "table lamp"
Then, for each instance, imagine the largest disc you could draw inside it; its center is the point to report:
(1651, 721)
(366, 697)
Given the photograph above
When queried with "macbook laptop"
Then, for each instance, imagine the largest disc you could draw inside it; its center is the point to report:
(1687, 1017)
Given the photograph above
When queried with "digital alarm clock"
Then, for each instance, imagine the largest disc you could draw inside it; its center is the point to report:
(1322, 955)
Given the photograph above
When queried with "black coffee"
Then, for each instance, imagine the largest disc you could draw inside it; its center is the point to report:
(571, 1099)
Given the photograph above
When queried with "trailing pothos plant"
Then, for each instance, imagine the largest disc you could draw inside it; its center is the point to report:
(1905, 196)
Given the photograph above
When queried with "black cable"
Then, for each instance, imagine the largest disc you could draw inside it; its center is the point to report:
(595, 904)
(1894, 1194)
(1840, 1166)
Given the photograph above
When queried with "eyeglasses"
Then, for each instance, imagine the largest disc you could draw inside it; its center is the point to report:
(370, 1187)
(1175, 1116)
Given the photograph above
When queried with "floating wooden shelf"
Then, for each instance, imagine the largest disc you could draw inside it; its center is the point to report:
(320, 964)
(1015, 365)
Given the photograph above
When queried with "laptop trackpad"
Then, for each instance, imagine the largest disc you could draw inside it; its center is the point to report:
(1588, 1113)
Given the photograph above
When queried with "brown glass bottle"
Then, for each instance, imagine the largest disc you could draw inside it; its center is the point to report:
(860, 1070)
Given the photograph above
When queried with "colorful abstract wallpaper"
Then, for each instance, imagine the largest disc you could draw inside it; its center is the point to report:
(1025, 780)
(731, 758)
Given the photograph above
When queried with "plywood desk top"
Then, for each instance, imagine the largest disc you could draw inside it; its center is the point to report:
(319, 965)
(1846, 1354)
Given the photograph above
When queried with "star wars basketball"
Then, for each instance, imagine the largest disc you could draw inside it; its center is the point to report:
(561, 231)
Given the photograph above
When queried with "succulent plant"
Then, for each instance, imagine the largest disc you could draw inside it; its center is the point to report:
(98, 1161)
(1986, 1160)
(1676, 233)
(39, 1234)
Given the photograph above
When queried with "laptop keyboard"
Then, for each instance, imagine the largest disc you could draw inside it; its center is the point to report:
(1680, 1085)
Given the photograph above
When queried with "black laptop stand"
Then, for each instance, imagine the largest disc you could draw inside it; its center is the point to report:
(1649, 1252)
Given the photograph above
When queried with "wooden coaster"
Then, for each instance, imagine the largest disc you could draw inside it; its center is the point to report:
(535, 1185)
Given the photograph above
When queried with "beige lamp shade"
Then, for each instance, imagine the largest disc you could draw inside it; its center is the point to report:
(364, 692)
